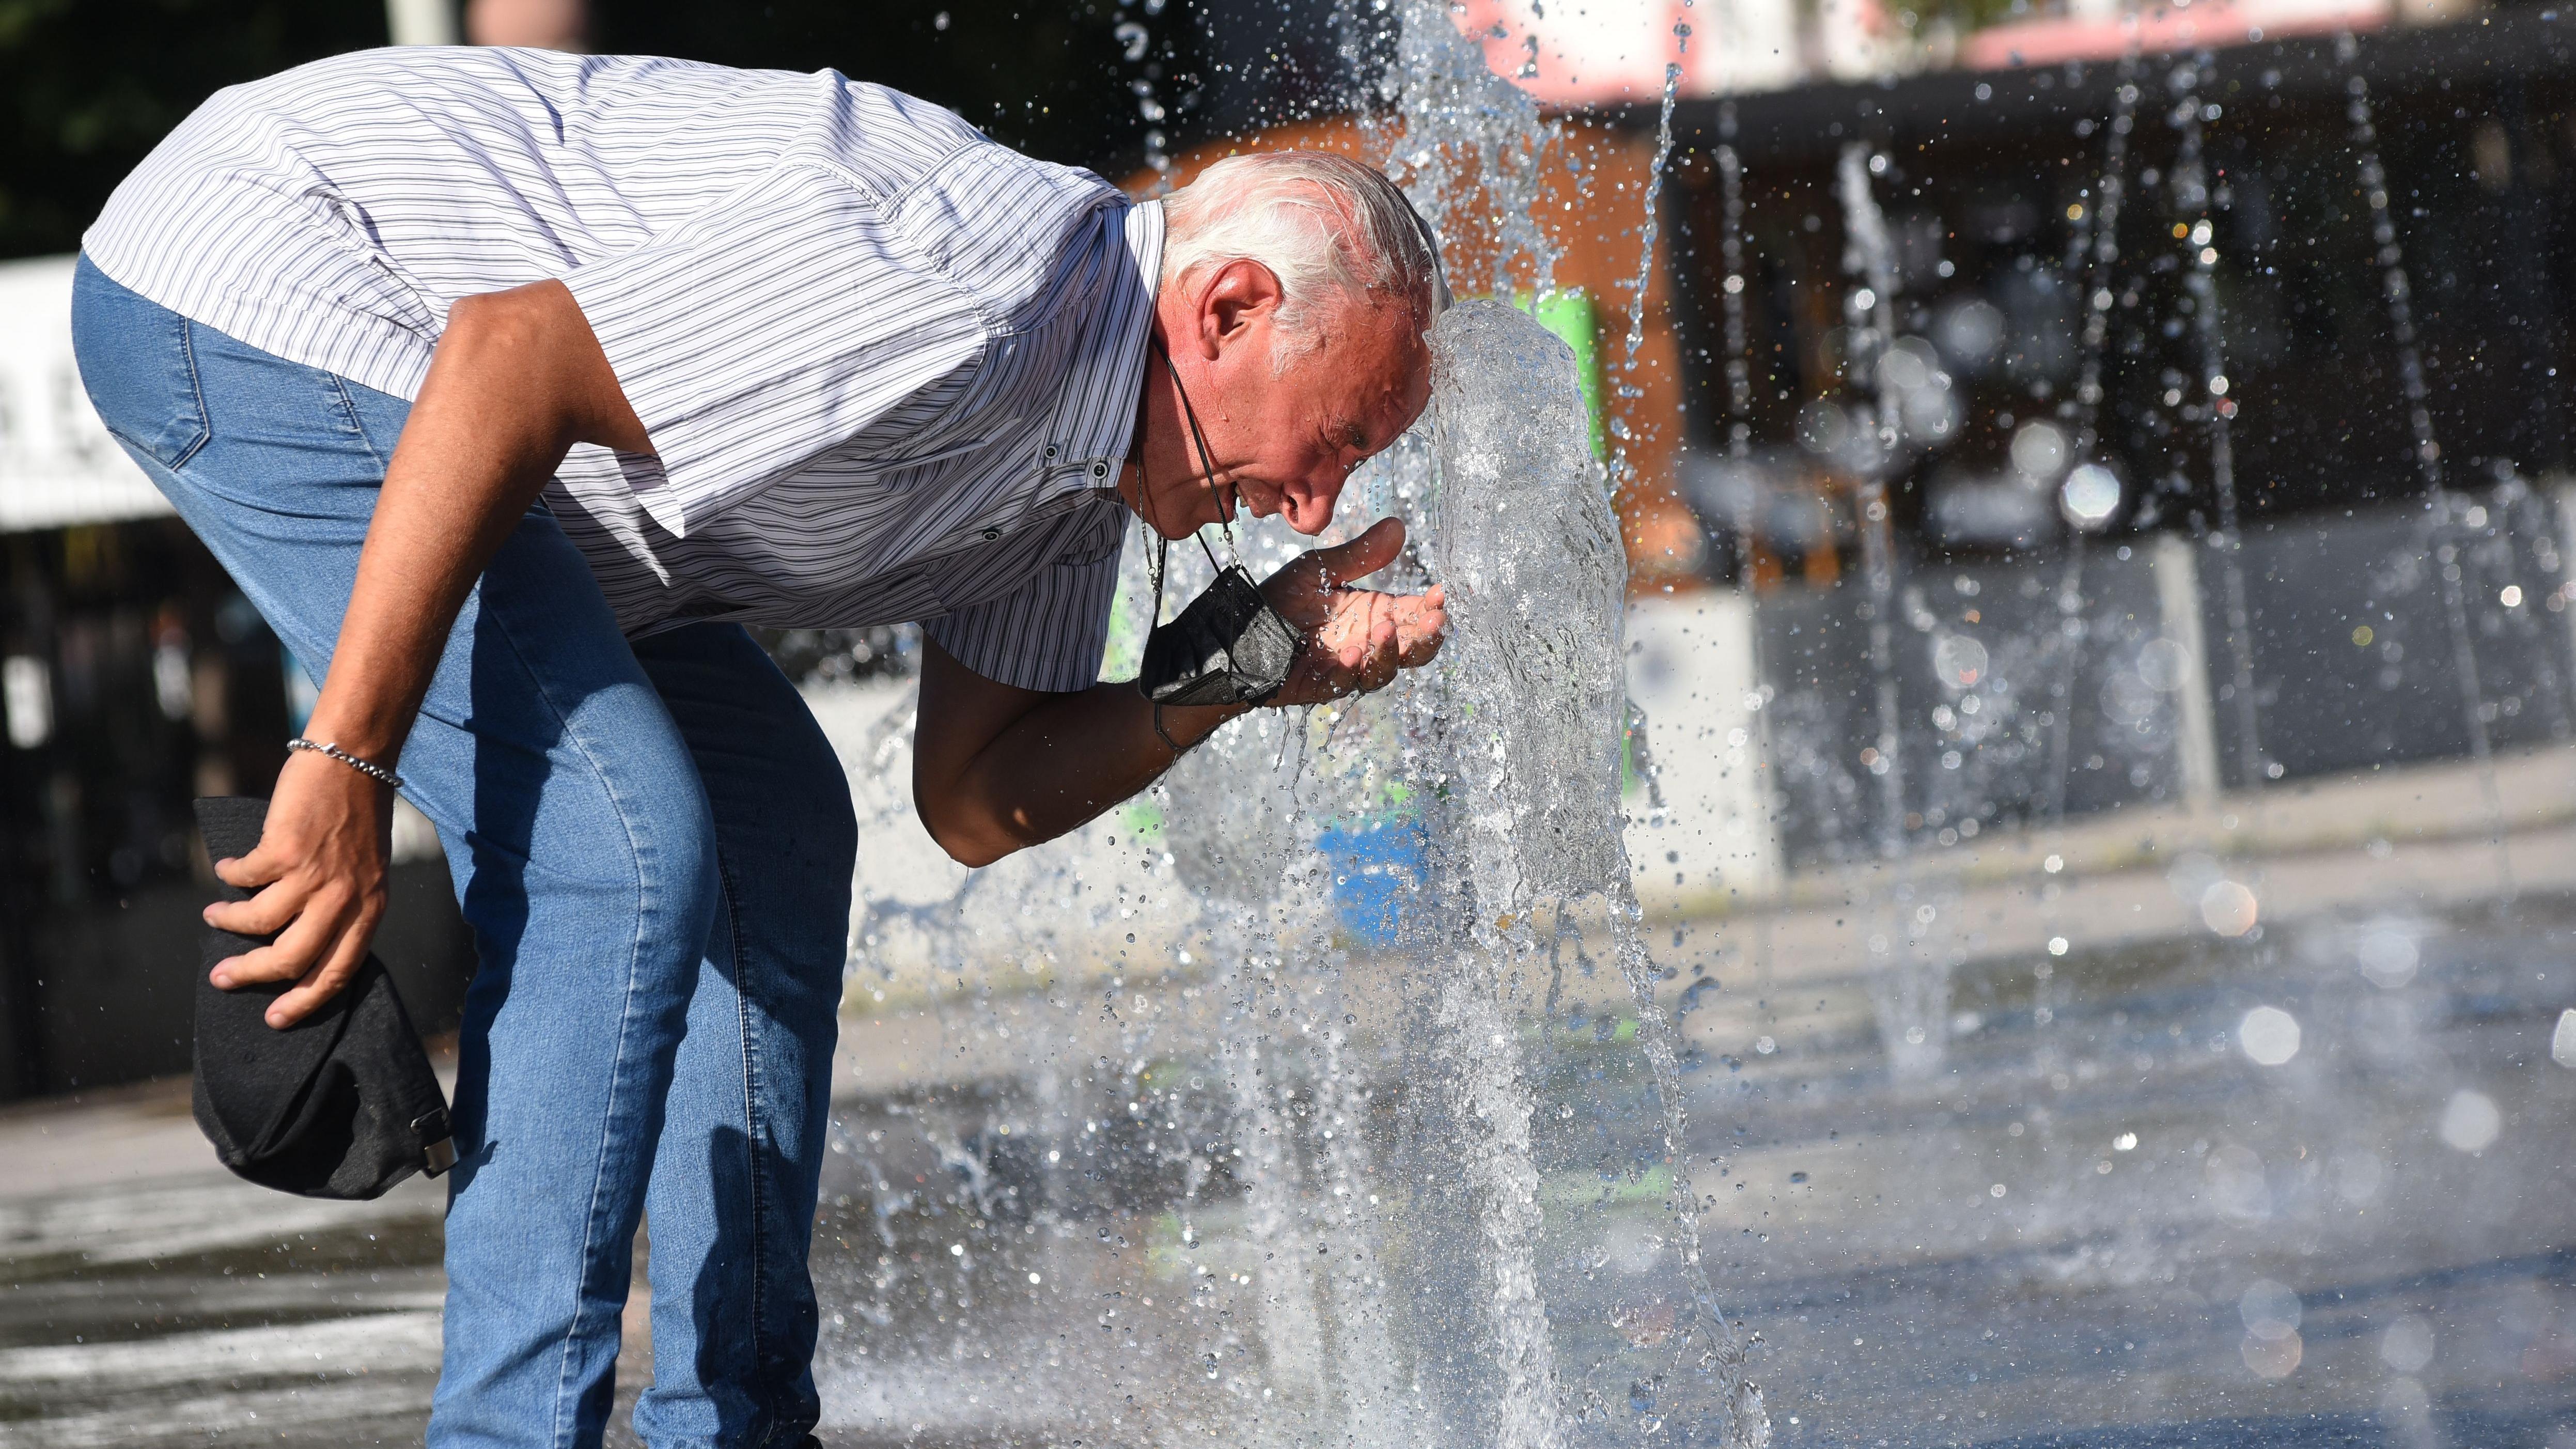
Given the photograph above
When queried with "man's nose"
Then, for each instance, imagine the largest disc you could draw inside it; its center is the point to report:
(1310, 511)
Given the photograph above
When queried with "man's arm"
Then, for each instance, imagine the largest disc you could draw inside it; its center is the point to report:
(996, 768)
(516, 380)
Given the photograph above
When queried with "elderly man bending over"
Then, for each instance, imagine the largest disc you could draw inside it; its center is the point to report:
(509, 385)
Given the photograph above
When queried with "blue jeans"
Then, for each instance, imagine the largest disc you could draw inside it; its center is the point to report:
(652, 842)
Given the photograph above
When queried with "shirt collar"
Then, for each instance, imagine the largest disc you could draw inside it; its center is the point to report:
(1096, 413)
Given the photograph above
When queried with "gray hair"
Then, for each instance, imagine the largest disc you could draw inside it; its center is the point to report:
(1334, 232)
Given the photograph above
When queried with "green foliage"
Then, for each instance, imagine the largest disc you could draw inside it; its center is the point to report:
(1046, 76)
(88, 86)
(1971, 15)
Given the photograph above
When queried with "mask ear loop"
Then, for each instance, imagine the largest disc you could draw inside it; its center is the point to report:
(1163, 550)
(1144, 490)
(1207, 464)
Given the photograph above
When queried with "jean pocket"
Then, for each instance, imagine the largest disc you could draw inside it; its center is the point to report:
(139, 364)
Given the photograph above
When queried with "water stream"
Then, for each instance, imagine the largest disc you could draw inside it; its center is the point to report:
(2397, 295)
(1415, 1178)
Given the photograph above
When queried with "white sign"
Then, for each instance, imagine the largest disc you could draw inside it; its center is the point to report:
(1691, 673)
(58, 466)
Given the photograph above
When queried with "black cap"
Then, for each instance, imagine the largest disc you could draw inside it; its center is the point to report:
(342, 1104)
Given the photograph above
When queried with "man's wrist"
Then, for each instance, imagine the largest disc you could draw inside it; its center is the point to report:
(1183, 726)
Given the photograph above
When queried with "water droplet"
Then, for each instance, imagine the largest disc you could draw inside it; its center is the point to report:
(2228, 908)
(2039, 451)
(2270, 1310)
(2388, 957)
(2269, 1035)
(2089, 496)
(2471, 1121)
(2408, 1344)
(1959, 659)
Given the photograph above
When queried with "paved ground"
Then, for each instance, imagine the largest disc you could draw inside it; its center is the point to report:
(2079, 1214)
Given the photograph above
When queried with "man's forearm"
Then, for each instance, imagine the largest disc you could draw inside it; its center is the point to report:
(1062, 763)
(997, 768)
(516, 380)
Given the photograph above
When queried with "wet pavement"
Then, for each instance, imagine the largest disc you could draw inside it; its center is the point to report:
(2090, 1214)
(155, 1300)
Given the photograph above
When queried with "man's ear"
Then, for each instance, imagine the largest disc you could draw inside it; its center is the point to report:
(1242, 297)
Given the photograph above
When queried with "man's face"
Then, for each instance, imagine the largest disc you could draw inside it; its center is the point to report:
(1329, 410)
(1285, 440)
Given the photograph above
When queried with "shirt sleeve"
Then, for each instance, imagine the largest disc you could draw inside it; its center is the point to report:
(1051, 632)
(778, 323)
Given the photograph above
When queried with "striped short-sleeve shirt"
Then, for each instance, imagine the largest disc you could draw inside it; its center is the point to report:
(890, 368)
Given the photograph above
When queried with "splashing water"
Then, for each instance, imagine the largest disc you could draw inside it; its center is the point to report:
(2191, 197)
(1871, 255)
(1468, 147)
(1524, 719)
(1447, 1203)
(1307, 1177)
(1527, 544)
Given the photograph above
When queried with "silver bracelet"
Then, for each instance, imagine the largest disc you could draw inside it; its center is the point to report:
(368, 768)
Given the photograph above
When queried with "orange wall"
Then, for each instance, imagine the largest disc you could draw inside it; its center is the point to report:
(1593, 219)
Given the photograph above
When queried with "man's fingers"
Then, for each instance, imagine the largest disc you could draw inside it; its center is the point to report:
(324, 981)
(299, 1001)
(264, 914)
(1365, 638)
(263, 865)
(1384, 659)
(296, 948)
(1418, 648)
(1363, 555)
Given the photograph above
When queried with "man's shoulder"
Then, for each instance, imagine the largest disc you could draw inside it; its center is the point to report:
(1026, 237)
(895, 145)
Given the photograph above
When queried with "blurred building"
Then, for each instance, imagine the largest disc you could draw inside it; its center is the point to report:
(2306, 412)
(2319, 416)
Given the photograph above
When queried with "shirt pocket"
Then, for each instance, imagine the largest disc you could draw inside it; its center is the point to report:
(908, 473)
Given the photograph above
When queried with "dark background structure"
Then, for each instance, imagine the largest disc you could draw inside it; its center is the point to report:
(99, 877)
(88, 86)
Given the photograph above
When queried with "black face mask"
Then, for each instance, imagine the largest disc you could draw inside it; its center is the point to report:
(1229, 646)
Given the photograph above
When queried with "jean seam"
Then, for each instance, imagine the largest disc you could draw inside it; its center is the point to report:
(358, 425)
(562, 1432)
(196, 391)
(767, 1398)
